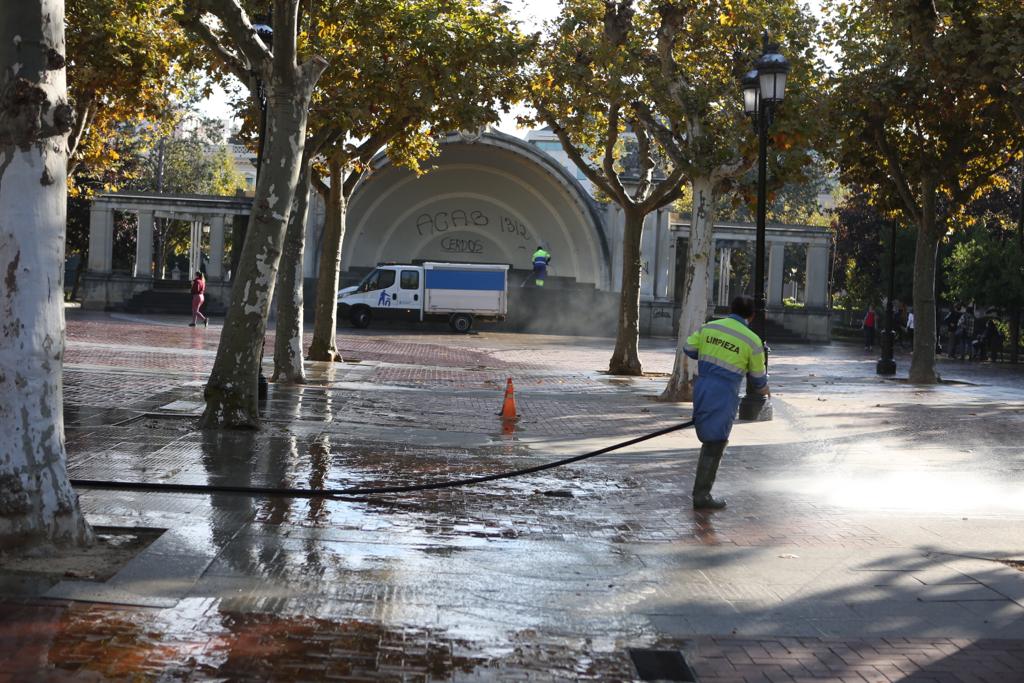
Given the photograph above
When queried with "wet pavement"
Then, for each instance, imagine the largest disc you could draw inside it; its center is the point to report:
(866, 537)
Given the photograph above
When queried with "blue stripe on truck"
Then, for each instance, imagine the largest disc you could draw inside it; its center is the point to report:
(478, 280)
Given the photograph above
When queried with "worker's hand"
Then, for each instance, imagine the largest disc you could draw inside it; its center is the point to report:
(766, 391)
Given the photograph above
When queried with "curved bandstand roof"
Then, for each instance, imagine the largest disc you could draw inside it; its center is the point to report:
(487, 198)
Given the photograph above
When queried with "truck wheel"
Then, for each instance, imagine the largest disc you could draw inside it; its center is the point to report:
(361, 317)
(461, 322)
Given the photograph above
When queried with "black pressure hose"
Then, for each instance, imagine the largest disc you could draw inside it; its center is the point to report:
(357, 490)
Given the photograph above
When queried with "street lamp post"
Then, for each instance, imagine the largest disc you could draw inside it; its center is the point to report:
(763, 90)
(887, 364)
(266, 33)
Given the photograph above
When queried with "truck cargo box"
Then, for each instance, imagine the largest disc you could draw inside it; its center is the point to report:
(478, 289)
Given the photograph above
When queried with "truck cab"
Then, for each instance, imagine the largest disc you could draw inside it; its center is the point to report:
(460, 293)
(386, 293)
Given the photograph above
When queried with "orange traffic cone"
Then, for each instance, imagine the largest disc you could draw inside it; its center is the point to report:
(508, 408)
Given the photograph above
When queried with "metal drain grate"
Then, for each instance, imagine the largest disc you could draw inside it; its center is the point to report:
(661, 665)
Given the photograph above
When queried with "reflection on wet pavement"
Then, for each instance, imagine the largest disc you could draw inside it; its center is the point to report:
(845, 519)
(199, 642)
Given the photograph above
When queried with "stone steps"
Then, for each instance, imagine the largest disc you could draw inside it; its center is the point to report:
(170, 301)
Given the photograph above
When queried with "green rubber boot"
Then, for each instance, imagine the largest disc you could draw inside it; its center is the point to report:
(707, 468)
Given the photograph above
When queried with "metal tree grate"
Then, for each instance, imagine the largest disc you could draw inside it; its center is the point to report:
(661, 665)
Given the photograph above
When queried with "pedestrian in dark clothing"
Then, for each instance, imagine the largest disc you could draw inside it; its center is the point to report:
(964, 334)
(990, 342)
(899, 323)
(951, 321)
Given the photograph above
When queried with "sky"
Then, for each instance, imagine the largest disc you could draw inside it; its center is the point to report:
(531, 13)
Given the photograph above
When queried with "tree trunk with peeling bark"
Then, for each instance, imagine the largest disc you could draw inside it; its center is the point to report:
(697, 282)
(288, 366)
(625, 358)
(1015, 314)
(232, 391)
(324, 346)
(37, 503)
(922, 364)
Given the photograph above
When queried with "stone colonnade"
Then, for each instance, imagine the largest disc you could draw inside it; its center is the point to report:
(664, 258)
(817, 241)
(816, 268)
(101, 224)
(104, 287)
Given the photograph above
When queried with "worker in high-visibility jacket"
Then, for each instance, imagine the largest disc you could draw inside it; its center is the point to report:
(541, 259)
(726, 350)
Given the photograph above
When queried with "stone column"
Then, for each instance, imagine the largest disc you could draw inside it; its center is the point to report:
(714, 273)
(776, 265)
(195, 248)
(666, 257)
(144, 245)
(648, 256)
(314, 228)
(616, 230)
(101, 238)
(724, 275)
(817, 276)
(215, 269)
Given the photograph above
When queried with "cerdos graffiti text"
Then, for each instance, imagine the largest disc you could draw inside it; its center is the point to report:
(455, 245)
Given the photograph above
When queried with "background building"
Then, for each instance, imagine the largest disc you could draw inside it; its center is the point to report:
(491, 197)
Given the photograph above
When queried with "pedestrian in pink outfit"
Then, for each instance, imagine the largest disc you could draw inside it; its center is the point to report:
(198, 289)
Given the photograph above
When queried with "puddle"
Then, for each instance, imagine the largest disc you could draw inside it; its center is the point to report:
(189, 407)
(201, 640)
(509, 425)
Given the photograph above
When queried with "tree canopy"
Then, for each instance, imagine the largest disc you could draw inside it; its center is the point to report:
(588, 72)
(192, 160)
(128, 63)
(926, 98)
(987, 267)
(920, 110)
(402, 75)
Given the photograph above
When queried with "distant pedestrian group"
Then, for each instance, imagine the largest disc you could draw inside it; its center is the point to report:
(967, 338)
(902, 329)
(959, 333)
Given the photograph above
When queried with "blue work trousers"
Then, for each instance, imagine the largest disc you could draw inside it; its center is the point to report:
(715, 401)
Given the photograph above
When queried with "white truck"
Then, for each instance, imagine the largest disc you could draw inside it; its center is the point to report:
(460, 293)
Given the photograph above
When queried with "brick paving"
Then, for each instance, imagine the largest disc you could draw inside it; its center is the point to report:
(195, 641)
(487, 379)
(197, 362)
(829, 565)
(877, 660)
